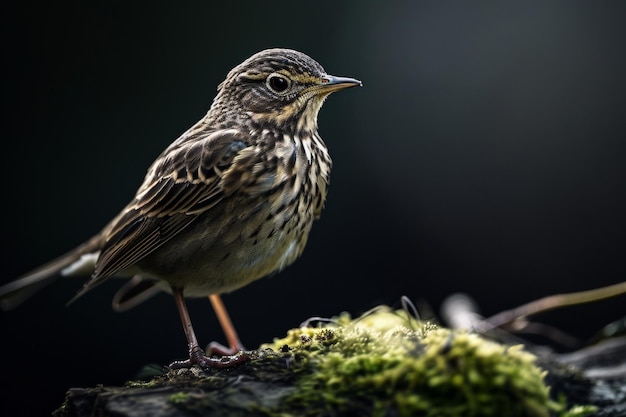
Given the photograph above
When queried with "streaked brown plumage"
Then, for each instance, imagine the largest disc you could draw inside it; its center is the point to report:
(230, 201)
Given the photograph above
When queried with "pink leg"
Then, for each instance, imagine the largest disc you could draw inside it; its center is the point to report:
(234, 344)
(196, 354)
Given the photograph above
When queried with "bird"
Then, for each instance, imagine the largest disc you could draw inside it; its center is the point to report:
(230, 201)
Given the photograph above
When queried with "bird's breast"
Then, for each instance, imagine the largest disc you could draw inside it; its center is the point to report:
(257, 231)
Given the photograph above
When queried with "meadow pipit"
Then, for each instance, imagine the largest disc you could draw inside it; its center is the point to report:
(230, 201)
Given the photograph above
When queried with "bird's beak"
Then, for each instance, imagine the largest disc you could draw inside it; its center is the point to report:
(330, 83)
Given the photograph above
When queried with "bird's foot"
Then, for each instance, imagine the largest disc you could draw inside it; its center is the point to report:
(197, 357)
(216, 348)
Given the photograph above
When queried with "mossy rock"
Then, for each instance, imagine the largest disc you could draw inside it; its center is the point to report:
(387, 363)
(384, 363)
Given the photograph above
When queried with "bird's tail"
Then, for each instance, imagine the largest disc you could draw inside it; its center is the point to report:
(16, 292)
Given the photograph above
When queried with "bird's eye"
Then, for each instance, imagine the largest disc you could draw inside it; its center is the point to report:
(278, 83)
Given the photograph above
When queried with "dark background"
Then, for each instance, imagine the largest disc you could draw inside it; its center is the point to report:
(484, 154)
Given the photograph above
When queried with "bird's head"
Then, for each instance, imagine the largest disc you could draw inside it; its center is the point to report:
(281, 87)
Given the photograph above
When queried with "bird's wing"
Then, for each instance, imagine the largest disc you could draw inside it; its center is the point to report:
(187, 180)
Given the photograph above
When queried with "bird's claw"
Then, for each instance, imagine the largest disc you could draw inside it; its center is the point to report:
(197, 357)
(216, 348)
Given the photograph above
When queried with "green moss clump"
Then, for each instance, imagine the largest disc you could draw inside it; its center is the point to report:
(179, 398)
(386, 363)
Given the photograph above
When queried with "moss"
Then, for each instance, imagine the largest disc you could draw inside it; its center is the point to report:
(386, 363)
(179, 398)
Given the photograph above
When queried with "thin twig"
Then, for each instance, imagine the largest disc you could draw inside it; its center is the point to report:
(555, 301)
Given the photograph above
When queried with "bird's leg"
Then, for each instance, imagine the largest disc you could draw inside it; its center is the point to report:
(234, 344)
(196, 354)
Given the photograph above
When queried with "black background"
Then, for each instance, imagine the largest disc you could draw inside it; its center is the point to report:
(484, 154)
